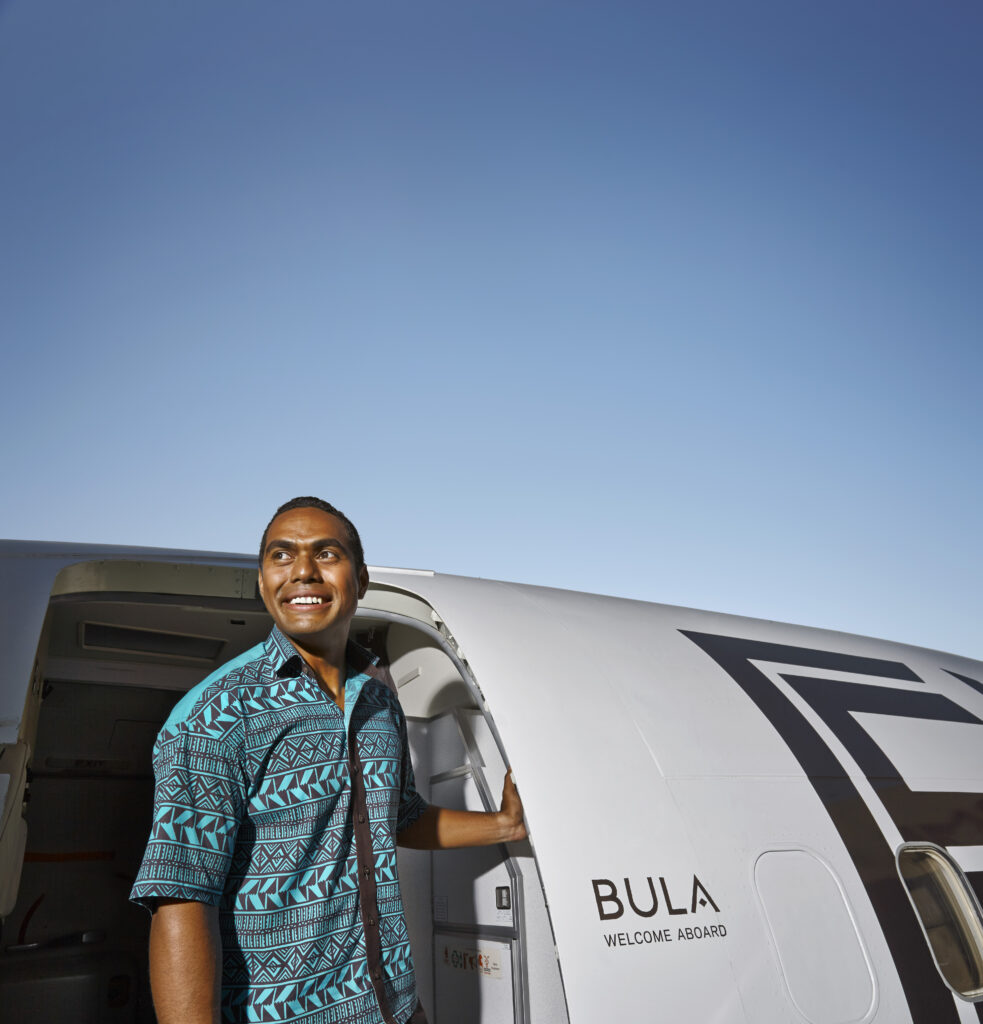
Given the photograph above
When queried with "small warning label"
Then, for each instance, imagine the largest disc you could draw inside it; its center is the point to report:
(467, 958)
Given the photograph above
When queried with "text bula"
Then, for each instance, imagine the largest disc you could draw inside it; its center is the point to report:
(643, 899)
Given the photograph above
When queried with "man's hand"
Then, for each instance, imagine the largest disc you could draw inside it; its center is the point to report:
(442, 828)
(513, 825)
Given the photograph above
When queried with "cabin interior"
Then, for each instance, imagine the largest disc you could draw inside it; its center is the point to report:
(121, 643)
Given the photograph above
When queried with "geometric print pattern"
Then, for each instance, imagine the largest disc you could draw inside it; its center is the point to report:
(253, 813)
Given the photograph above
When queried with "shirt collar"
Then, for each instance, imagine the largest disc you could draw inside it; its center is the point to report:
(286, 660)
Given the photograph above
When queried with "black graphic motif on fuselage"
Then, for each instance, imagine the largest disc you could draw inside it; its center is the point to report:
(941, 818)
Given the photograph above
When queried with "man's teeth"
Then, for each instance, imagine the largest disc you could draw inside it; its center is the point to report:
(305, 600)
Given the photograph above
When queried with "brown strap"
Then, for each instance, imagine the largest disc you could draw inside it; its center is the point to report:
(367, 897)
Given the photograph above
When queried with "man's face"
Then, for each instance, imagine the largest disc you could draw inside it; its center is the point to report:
(308, 578)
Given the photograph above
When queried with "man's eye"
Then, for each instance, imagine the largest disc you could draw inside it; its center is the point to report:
(328, 554)
(279, 556)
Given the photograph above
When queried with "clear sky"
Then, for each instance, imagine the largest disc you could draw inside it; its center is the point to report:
(676, 301)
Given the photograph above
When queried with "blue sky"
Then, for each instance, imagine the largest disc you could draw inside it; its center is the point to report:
(671, 301)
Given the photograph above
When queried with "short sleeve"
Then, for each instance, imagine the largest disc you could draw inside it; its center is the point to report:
(199, 801)
(411, 804)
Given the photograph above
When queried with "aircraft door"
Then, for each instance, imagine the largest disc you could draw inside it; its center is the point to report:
(13, 826)
(23, 607)
(484, 947)
(476, 940)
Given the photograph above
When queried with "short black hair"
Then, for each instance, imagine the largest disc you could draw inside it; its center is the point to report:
(324, 506)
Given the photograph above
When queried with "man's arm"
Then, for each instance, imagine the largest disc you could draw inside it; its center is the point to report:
(442, 828)
(186, 963)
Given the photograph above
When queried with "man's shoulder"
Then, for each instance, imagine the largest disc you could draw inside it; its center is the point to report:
(213, 706)
(379, 690)
(378, 708)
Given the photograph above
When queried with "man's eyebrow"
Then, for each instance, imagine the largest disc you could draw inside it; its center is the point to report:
(292, 545)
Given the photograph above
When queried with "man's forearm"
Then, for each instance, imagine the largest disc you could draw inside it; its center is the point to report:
(442, 828)
(186, 963)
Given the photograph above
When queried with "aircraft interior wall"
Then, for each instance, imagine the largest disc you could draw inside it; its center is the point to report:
(112, 665)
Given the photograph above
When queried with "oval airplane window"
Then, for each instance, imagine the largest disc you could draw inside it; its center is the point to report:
(822, 958)
(949, 914)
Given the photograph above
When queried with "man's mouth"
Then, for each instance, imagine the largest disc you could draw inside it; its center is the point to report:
(306, 600)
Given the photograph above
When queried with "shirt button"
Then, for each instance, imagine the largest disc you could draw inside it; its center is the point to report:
(365, 872)
(377, 974)
(361, 817)
(371, 922)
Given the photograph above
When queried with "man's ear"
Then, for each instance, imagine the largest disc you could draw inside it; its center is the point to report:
(363, 582)
(260, 584)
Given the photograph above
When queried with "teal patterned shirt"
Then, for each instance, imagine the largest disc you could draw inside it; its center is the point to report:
(282, 810)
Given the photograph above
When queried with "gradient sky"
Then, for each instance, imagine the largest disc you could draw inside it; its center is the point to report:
(671, 301)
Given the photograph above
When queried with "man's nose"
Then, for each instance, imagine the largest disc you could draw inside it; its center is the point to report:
(306, 567)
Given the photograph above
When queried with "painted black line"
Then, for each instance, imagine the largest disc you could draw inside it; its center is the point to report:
(929, 1001)
(978, 687)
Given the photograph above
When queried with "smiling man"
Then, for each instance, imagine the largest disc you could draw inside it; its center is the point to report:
(270, 869)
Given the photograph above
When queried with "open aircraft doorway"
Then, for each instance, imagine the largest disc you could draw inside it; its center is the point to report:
(121, 642)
